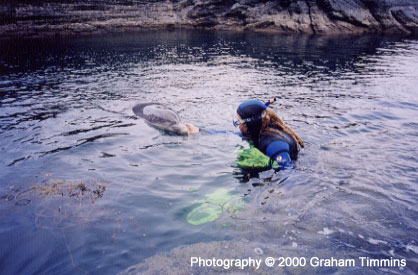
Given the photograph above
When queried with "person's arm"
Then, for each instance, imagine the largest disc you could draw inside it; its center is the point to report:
(279, 151)
(193, 130)
(216, 132)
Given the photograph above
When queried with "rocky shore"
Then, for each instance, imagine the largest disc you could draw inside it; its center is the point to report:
(72, 17)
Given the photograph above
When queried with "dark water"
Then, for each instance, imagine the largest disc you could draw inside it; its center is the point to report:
(65, 119)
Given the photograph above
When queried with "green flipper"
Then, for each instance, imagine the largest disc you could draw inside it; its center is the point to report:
(213, 206)
(252, 158)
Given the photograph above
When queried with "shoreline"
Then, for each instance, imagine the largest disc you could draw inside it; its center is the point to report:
(68, 32)
(190, 30)
(58, 18)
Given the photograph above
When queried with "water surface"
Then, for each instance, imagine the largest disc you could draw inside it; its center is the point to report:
(66, 119)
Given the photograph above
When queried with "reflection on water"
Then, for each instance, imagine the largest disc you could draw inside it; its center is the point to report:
(65, 116)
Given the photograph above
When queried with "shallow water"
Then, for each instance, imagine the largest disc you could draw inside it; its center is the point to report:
(66, 119)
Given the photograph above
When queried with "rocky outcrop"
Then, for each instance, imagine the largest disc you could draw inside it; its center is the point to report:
(31, 17)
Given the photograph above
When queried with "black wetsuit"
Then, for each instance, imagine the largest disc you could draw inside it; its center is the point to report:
(274, 144)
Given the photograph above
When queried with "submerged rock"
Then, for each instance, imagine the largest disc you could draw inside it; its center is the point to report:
(30, 17)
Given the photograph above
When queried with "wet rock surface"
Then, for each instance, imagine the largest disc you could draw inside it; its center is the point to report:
(178, 261)
(33, 18)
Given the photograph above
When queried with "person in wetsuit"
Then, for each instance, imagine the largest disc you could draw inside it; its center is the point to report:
(268, 132)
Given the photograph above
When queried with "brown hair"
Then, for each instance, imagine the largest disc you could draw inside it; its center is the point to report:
(272, 119)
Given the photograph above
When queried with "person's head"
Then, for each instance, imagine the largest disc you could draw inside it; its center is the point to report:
(254, 118)
(250, 114)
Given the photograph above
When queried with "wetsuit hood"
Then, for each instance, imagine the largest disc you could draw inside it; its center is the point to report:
(250, 108)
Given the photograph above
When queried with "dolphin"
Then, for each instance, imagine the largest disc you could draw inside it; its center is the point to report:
(160, 117)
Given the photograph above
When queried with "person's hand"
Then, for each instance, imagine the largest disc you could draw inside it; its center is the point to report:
(193, 130)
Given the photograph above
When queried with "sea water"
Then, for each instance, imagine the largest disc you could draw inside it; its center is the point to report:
(85, 186)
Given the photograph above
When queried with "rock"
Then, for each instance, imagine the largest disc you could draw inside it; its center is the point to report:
(237, 10)
(26, 17)
(178, 260)
(206, 22)
(407, 18)
(7, 14)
